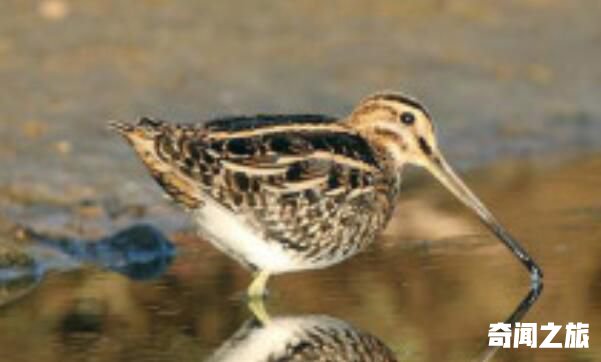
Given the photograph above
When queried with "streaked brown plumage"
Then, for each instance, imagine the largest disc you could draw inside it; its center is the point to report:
(283, 193)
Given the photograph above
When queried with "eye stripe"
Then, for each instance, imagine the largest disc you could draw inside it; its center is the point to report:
(423, 145)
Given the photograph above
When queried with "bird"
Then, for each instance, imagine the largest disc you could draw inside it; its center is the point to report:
(285, 193)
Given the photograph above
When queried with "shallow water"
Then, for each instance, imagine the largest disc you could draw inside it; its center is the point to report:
(426, 291)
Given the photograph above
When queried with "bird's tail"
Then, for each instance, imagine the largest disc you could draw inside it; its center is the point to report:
(146, 128)
(120, 126)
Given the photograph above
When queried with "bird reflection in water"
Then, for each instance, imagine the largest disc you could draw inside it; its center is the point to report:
(140, 252)
(301, 338)
(320, 338)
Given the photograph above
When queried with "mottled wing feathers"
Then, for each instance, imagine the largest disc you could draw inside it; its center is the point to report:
(293, 161)
(247, 154)
(236, 159)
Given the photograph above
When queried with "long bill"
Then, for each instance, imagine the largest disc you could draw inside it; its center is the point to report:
(445, 174)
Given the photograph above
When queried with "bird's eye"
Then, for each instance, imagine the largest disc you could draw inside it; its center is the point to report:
(407, 118)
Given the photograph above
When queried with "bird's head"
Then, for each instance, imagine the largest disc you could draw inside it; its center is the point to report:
(401, 129)
(398, 126)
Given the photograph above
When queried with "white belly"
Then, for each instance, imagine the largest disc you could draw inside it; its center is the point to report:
(231, 234)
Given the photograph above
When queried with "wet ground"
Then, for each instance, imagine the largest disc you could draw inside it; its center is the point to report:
(513, 87)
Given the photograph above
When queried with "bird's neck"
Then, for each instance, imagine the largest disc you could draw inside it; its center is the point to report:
(388, 149)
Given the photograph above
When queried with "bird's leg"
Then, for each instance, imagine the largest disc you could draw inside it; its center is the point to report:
(256, 290)
(257, 308)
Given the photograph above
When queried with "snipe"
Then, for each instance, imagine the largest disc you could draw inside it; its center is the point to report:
(282, 193)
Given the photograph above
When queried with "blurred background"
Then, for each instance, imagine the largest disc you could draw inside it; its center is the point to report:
(513, 87)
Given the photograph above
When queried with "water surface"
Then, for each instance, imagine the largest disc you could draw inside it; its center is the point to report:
(426, 291)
